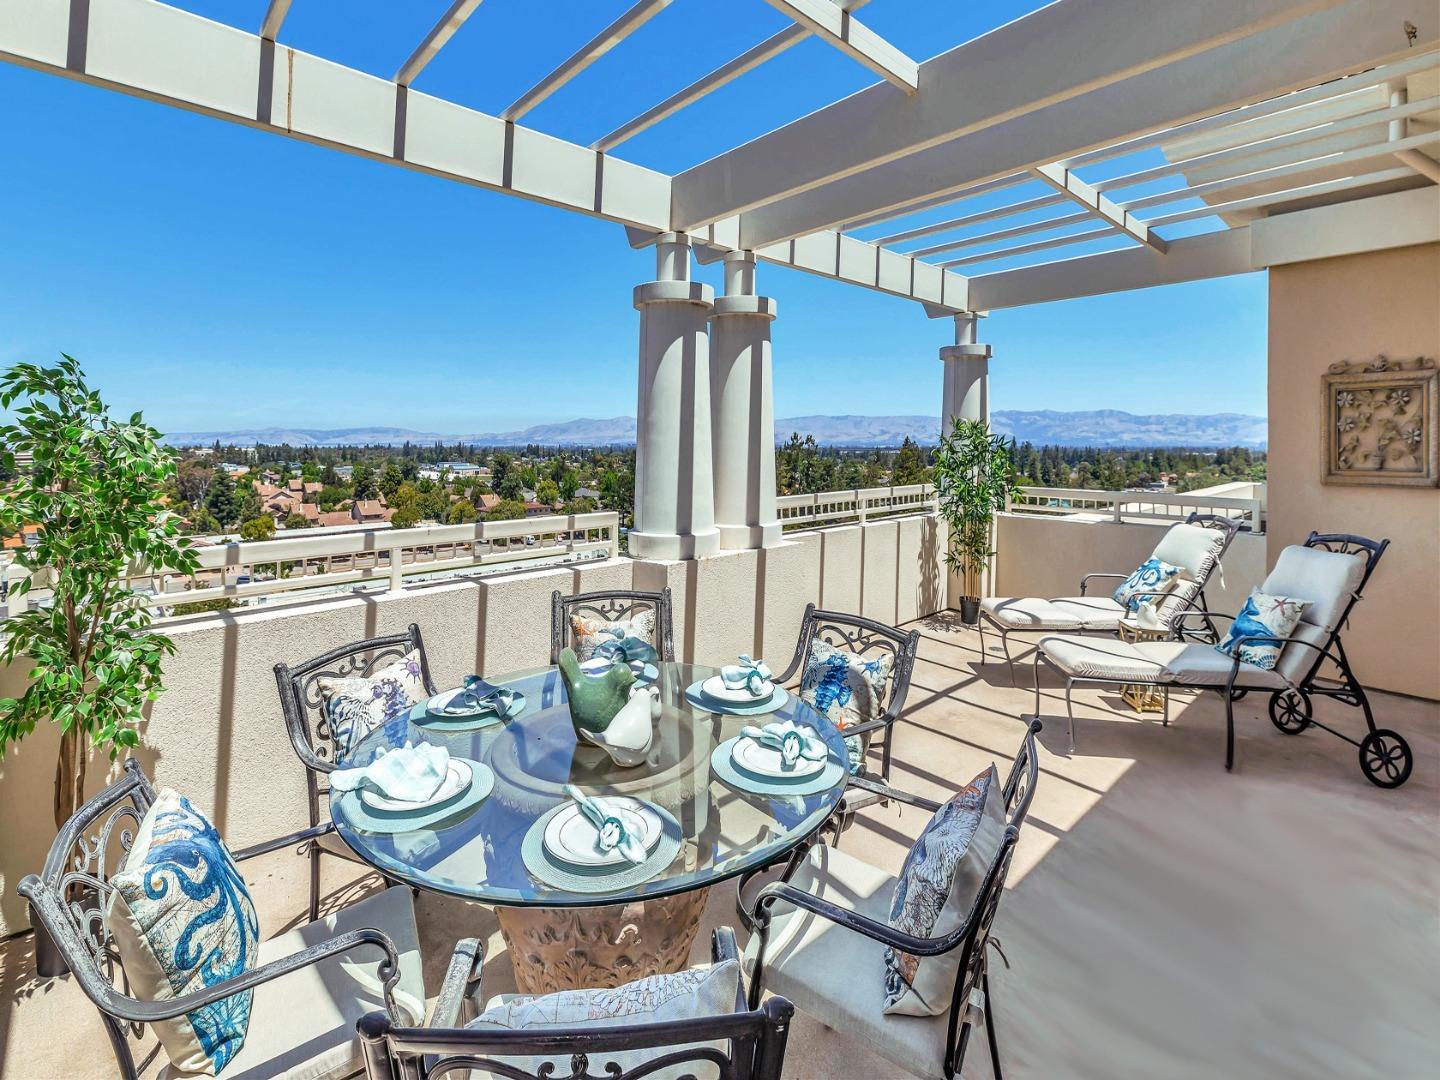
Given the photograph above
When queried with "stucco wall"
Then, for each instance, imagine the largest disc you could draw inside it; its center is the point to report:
(1355, 308)
(217, 734)
(1047, 556)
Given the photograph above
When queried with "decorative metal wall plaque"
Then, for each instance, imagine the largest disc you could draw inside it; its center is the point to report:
(1380, 422)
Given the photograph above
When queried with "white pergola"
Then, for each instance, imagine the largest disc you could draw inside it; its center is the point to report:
(1283, 130)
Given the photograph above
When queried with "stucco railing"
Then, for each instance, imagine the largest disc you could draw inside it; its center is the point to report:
(1141, 506)
(382, 558)
(859, 505)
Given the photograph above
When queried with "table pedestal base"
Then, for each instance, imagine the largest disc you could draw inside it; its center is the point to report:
(576, 948)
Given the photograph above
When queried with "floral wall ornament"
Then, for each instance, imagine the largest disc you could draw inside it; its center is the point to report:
(1381, 422)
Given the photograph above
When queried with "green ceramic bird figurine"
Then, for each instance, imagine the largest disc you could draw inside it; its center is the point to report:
(594, 699)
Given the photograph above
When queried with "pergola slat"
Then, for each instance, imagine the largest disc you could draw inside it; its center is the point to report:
(435, 40)
(834, 24)
(274, 19)
(1081, 193)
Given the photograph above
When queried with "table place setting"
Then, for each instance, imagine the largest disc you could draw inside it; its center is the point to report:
(475, 704)
(783, 759)
(409, 788)
(597, 844)
(742, 689)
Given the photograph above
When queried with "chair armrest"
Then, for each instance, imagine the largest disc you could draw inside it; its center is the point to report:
(885, 791)
(780, 891)
(266, 846)
(1085, 581)
(878, 724)
(147, 1012)
(723, 946)
(462, 974)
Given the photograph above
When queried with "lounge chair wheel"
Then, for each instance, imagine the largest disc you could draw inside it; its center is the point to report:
(1385, 758)
(1290, 711)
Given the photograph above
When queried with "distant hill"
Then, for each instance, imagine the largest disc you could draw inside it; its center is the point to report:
(1103, 427)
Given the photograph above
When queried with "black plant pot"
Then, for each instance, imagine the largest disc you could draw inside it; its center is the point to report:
(49, 964)
(969, 610)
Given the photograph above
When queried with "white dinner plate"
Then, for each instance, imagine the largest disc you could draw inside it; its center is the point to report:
(457, 780)
(766, 762)
(715, 689)
(571, 837)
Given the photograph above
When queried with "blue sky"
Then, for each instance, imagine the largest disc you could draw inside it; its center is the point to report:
(219, 277)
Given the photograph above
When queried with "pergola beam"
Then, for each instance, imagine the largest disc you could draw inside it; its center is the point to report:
(834, 24)
(636, 17)
(274, 19)
(1059, 52)
(435, 40)
(1352, 37)
(1083, 194)
(728, 72)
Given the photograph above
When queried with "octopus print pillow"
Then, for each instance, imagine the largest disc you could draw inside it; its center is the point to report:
(936, 888)
(356, 707)
(848, 689)
(182, 919)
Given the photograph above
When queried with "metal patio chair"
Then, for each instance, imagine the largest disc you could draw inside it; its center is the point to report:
(826, 955)
(310, 733)
(751, 1041)
(1180, 546)
(611, 605)
(311, 984)
(1329, 571)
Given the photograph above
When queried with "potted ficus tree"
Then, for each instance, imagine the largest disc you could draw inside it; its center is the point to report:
(93, 507)
(974, 479)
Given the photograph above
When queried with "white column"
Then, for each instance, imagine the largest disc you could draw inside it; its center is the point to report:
(744, 410)
(674, 486)
(966, 392)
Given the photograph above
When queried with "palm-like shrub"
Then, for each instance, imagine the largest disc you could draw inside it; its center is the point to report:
(974, 478)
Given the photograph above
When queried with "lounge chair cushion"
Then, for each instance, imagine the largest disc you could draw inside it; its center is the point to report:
(182, 919)
(1193, 548)
(1263, 614)
(1020, 613)
(1324, 579)
(354, 707)
(302, 1025)
(807, 960)
(937, 887)
(1150, 662)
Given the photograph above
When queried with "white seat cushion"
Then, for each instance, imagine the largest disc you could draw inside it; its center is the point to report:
(1093, 612)
(1029, 613)
(302, 1025)
(837, 975)
(1151, 662)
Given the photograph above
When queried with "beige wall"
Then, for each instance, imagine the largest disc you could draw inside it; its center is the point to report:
(1047, 556)
(1355, 308)
(217, 732)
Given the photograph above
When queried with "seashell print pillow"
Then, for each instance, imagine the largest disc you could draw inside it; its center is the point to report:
(355, 707)
(592, 631)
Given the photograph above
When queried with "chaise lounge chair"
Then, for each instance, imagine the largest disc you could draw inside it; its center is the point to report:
(1328, 572)
(1195, 546)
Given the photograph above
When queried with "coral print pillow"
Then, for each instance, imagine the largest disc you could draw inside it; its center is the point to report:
(1270, 616)
(356, 707)
(936, 888)
(1151, 577)
(182, 919)
(591, 632)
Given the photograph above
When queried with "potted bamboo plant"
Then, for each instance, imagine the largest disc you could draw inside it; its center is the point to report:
(91, 508)
(974, 479)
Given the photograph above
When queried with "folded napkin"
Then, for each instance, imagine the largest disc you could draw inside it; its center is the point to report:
(751, 675)
(610, 829)
(478, 694)
(793, 742)
(408, 774)
(627, 650)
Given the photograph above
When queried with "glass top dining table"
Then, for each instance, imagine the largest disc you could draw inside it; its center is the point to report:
(477, 853)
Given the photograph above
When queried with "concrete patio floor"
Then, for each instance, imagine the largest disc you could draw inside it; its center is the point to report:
(1163, 917)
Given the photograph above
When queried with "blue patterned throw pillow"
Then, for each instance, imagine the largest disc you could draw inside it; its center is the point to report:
(847, 689)
(1149, 578)
(936, 888)
(355, 707)
(182, 919)
(1270, 616)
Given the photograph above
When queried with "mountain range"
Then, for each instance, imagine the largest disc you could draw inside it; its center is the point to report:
(1101, 427)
